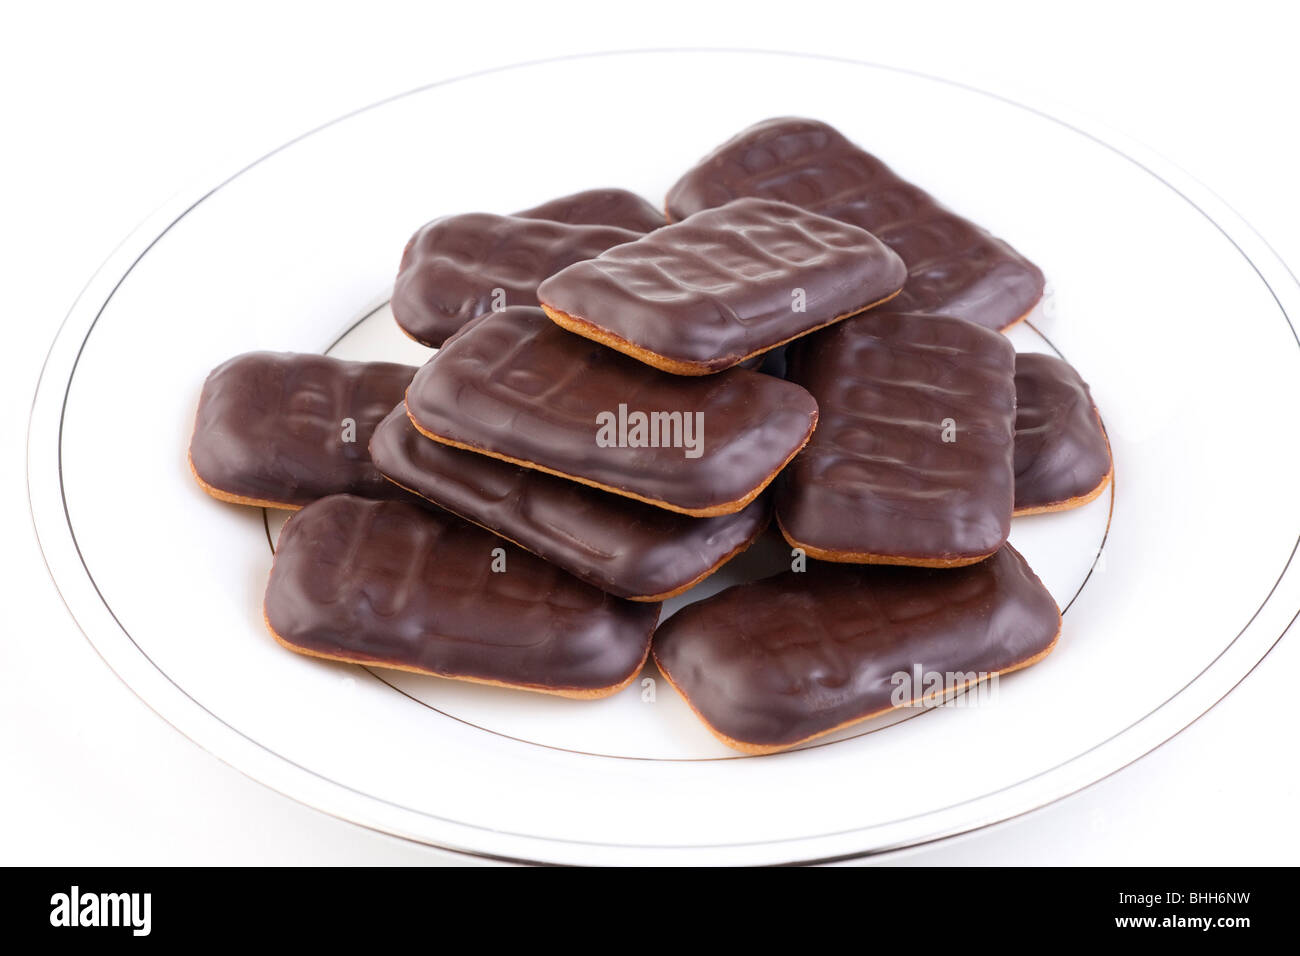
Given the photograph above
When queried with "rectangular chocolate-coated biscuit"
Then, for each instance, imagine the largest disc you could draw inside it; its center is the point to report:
(459, 267)
(625, 547)
(777, 662)
(391, 584)
(911, 462)
(723, 286)
(600, 207)
(1062, 456)
(954, 266)
(281, 429)
(516, 386)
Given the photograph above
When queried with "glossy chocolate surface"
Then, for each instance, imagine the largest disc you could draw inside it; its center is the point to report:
(452, 268)
(775, 662)
(878, 479)
(270, 426)
(622, 546)
(1061, 450)
(727, 283)
(600, 207)
(515, 385)
(954, 266)
(393, 584)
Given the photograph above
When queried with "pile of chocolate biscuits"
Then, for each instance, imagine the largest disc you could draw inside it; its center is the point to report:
(618, 405)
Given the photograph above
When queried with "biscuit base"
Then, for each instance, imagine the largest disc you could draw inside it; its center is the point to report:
(1068, 503)
(867, 557)
(574, 693)
(713, 511)
(642, 599)
(1014, 322)
(590, 330)
(238, 499)
(760, 750)
(413, 337)
(1078, 500)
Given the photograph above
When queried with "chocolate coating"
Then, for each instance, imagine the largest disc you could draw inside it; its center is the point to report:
(516, 386)
(878, 483)
(771, 664)
(600, 207)
(630, 549)
(452, 267)
(396, 585)
(704, 294)
(954, 267)
(1062, 458)
(269, 429)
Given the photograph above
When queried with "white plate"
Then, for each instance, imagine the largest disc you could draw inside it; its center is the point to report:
(1171, 307)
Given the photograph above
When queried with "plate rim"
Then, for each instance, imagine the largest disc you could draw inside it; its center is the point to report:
(131, 664)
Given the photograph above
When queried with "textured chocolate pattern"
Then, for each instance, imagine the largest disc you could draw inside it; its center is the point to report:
(728, 283)
(630, 549)
(515, 385)
(1062, 458)
(396, 585)
(452, 267)
(954, 266)
(270, 427)
(600, 207)
(771, 664)
(878, 482)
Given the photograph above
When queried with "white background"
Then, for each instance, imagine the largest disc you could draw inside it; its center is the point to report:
(110, 109)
